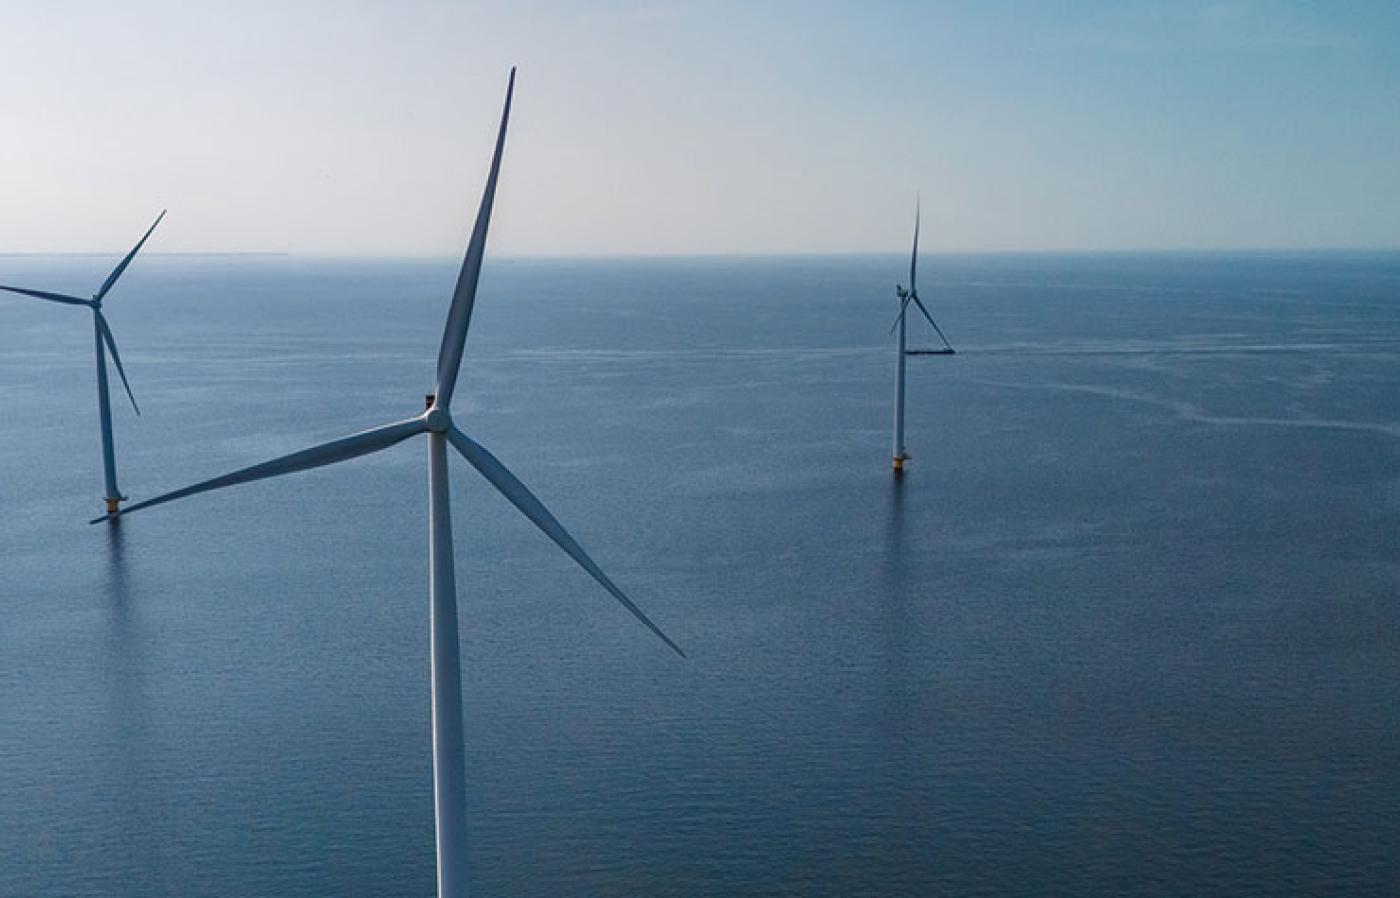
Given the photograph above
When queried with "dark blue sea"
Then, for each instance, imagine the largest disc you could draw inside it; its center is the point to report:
(1129, 625)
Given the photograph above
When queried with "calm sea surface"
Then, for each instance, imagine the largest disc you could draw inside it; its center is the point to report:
(1129, 626)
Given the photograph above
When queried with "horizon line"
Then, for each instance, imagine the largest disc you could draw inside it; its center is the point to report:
(425, 256)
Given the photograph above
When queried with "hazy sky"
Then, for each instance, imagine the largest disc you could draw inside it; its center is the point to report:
(700, 127)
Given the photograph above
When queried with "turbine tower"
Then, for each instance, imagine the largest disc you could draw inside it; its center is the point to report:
(905, 297)
(449, 764)
(102, 337)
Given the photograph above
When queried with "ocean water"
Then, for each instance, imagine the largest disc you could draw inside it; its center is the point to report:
(1130, 625)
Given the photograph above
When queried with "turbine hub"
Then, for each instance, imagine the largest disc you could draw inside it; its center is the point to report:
(437, 419)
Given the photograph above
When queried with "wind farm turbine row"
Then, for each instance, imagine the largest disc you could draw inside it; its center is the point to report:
(442, 431)
(104, 342)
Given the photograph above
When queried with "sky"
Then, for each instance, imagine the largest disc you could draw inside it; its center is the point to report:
(696, 128)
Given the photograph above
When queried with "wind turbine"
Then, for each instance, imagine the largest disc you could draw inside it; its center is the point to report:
(102, 337)
(905, 297)
(449, 764)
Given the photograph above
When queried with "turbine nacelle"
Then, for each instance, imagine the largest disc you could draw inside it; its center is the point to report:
(437, 419)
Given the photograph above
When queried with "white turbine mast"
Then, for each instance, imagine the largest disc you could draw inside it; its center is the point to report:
(449, 762)
(104, 341)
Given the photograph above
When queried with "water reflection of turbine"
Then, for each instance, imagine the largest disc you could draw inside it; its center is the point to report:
(895, 573)
(899, 706)
(128, 750)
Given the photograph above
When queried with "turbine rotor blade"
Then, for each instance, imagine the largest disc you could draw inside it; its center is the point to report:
(521, 497)
(112, 347)
(914, 259)
(903, 306)
(343, 449)
(121, 266)
(459, 316)
(55, 297)
(931, 321)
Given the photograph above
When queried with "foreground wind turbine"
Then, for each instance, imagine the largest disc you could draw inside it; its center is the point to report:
(905, 297)
(102, 335)
(449, 764)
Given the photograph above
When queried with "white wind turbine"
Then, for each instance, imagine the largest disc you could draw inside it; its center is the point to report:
(905, 297)
(102, 337)
(449, 763)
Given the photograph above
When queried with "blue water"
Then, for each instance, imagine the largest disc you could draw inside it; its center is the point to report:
(1129, 626)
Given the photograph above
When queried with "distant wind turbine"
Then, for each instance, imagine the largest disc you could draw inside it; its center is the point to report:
(449, 764)
(103, 338)
(905, 297)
